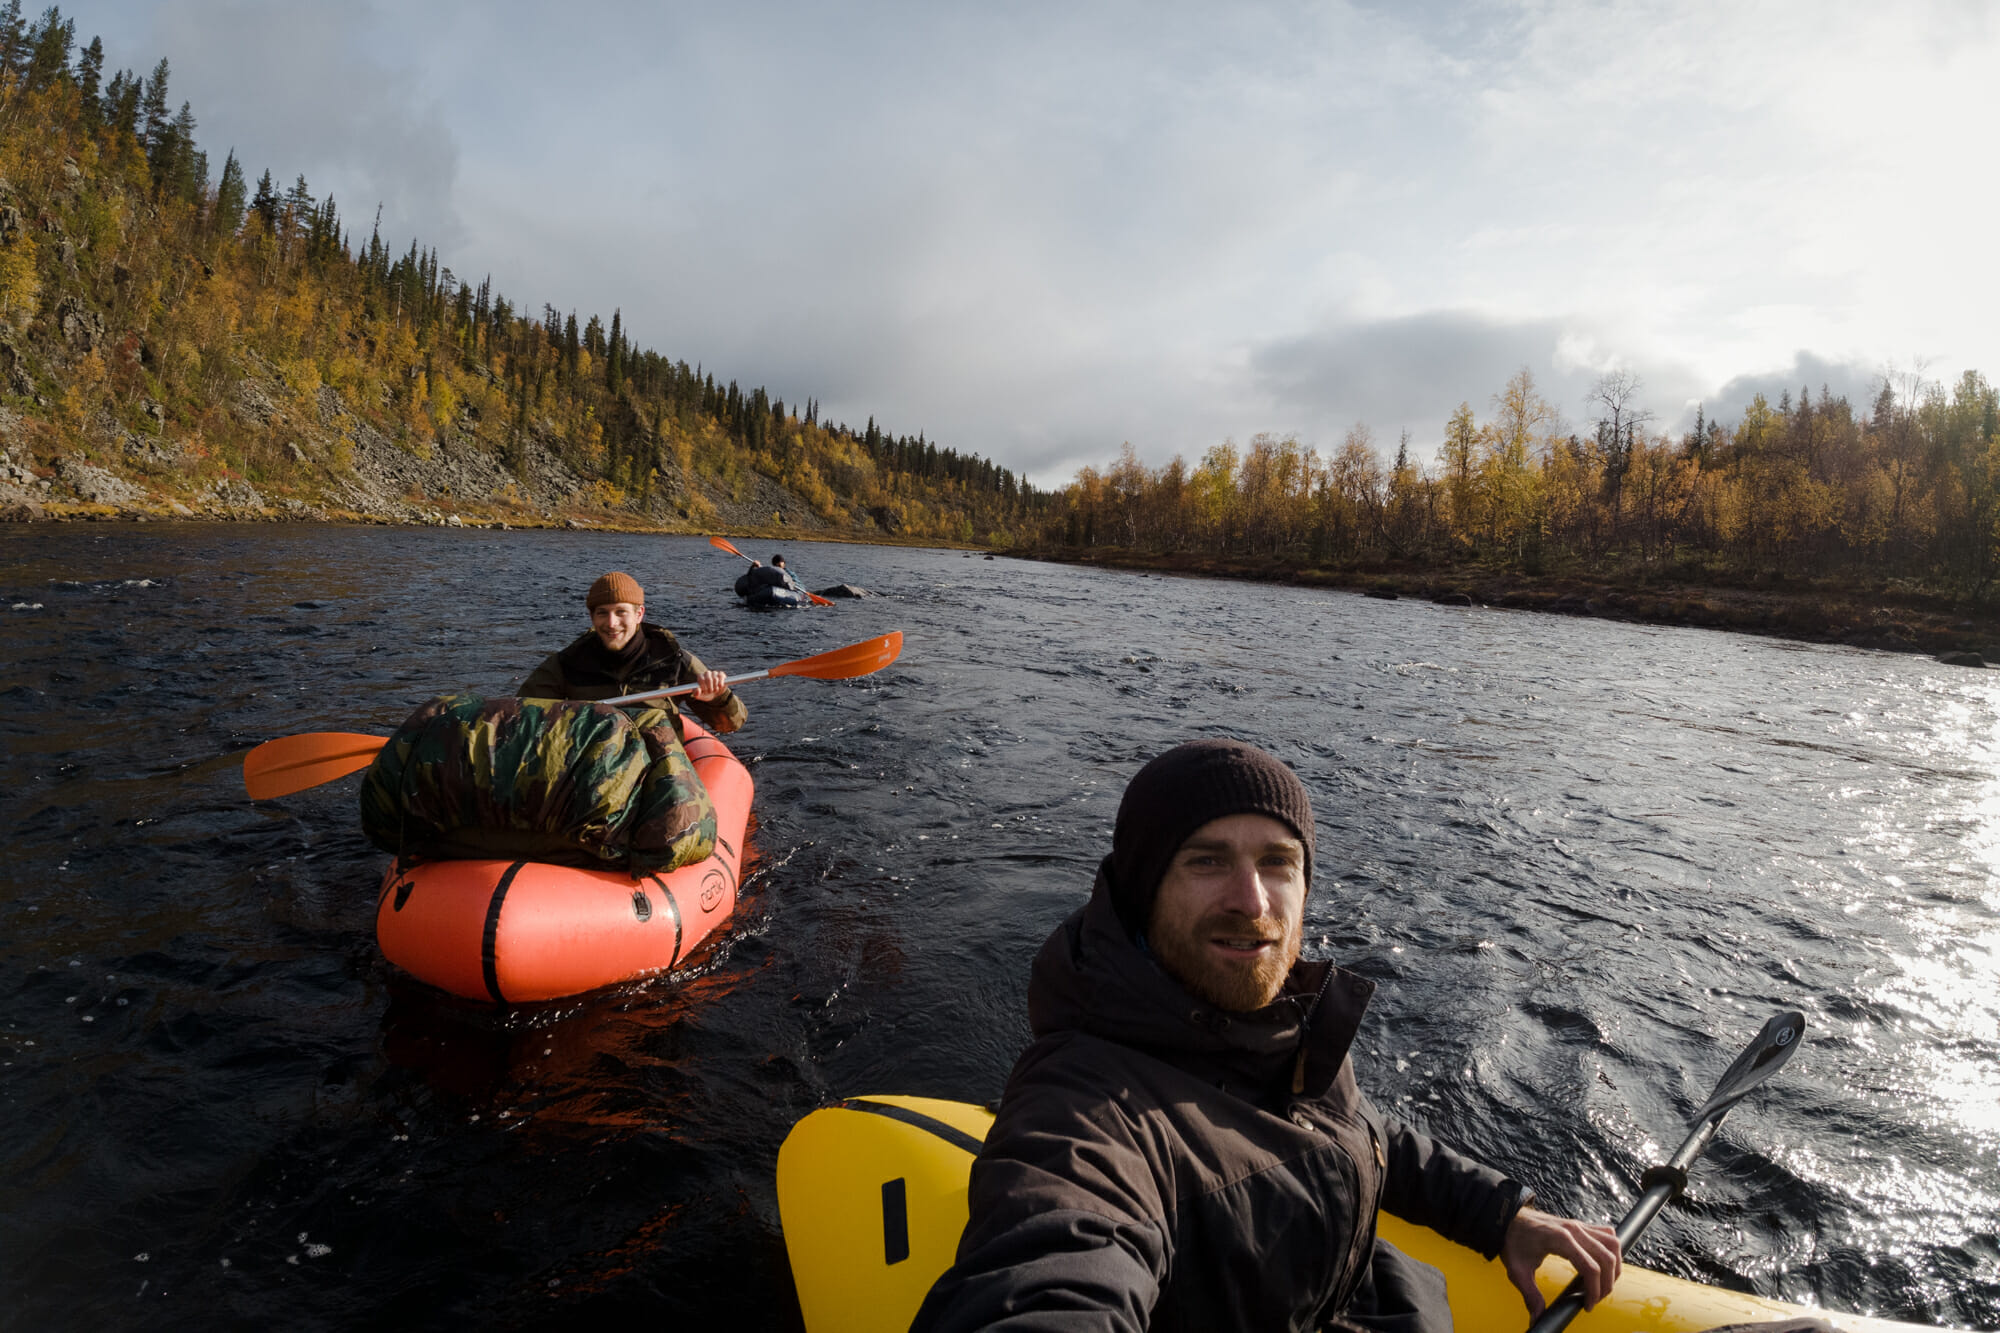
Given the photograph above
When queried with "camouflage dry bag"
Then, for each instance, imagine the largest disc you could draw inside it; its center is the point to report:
(539, 780)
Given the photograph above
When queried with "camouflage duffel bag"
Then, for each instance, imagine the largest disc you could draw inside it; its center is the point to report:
(578, 784)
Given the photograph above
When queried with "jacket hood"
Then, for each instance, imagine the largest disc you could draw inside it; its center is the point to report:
(1093, 978)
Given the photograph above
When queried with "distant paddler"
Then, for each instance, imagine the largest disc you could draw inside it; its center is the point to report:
(622, 654)
(762, 582)
(766, 587)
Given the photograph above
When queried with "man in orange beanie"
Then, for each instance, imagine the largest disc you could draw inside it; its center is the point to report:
(622, 654)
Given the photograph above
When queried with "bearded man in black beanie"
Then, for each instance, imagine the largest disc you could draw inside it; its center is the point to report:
(1183, 1146)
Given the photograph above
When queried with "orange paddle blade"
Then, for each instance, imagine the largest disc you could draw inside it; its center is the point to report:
(721, 545)
(856, 659)
(294, 763)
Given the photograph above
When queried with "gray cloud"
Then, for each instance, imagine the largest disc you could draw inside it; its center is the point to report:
(1412, 372)
(1808, 373)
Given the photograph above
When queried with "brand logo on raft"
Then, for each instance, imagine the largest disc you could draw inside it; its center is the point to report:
(1785, 1036)
(713, 886)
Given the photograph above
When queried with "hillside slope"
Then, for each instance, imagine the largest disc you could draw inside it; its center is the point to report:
(175, 347)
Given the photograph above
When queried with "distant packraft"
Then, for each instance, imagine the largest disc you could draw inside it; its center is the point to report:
(771, 599)
(572, 783)
(764, 587)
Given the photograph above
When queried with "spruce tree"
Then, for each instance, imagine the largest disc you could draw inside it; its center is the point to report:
(114, 97)
(49, 46)
(13, 39)
(614, 368)
(265, 204)
(90, 81)
(296, 214)
(154, 107)
(186, 169)
(227, 219)
(378, 253)
(121, 103)
(325, 242)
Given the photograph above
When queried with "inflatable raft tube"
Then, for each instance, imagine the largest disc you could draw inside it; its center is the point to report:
(777, 599)
(520, 931)
(871, 1195)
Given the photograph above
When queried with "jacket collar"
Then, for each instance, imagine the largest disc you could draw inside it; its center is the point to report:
(585, 660)
(1092, 977)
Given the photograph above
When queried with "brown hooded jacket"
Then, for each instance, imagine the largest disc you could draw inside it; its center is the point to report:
(1159, 1164)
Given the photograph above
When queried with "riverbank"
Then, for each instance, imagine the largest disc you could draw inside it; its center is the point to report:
(1891, 621)
(501, 521)
(339, 468)
(451, 488)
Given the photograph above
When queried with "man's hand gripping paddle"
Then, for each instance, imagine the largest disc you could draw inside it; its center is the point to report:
(1761, 1059)
(293, 763)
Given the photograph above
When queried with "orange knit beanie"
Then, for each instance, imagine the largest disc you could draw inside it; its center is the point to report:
(616, 586)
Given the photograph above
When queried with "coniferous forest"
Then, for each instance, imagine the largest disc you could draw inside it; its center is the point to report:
(174, 338)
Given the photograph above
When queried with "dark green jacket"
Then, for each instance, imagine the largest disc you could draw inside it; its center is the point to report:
(578, 672)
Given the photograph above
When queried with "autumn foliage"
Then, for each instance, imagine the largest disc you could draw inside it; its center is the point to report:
(1909, 489)
(138, 296)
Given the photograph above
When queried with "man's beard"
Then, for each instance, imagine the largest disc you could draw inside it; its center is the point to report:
(1238, 986)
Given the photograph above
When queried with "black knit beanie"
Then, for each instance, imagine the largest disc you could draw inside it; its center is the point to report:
(1180, 791)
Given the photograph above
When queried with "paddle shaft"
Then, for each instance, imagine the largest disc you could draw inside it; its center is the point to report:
(673, 690)
(1665, 1184)
(1767, 1053)
(290, 764)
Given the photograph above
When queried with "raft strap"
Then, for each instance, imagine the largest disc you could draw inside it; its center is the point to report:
(492, 933)
(674, 911)
(957, 1138)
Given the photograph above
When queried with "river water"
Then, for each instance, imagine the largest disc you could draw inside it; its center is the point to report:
(1584, 861)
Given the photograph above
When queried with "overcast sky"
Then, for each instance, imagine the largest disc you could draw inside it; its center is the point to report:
(1035, 231)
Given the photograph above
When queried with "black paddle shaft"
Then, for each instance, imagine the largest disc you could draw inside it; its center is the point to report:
(1663, 1184)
